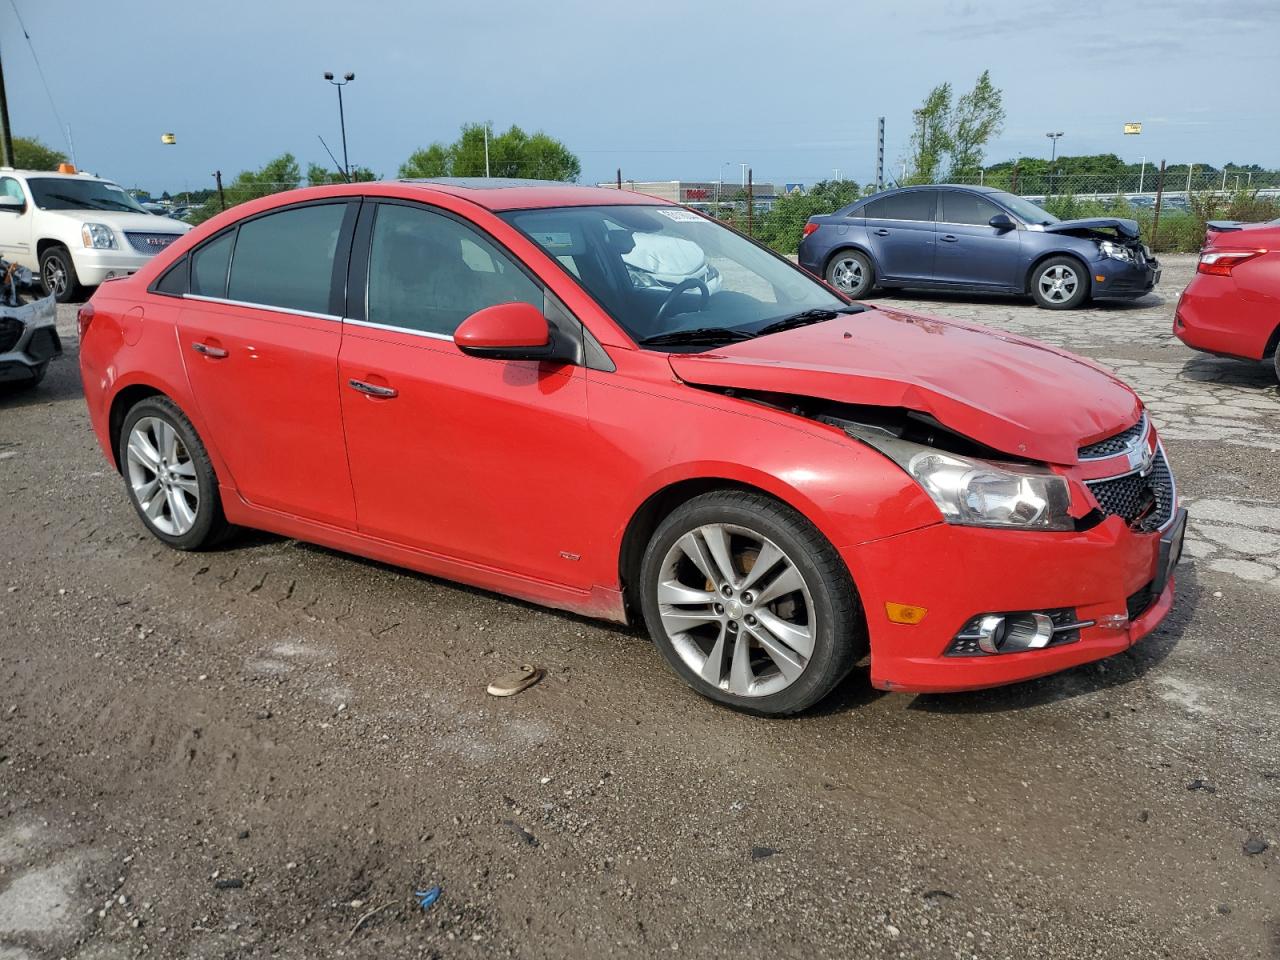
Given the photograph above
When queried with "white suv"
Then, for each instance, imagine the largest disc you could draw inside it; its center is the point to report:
(76, 230)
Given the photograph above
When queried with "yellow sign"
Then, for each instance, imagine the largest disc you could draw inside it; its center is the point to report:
(168, 138)
(1130, 128)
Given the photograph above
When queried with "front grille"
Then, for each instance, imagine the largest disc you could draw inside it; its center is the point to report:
(1113, 446)
(1140, 601)
(150, 243)
(1145, 502)
(10, 331)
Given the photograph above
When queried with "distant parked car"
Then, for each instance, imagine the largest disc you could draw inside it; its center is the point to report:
(76, 230)
(1229, 308)
(976, 239)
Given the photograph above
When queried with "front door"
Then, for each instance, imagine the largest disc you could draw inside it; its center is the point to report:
(260, 343)
(969, 249)
(15, 226)
(465, 457)
(900, 231)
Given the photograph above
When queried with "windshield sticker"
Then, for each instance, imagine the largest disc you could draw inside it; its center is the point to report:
(550, 240)
(680, 216)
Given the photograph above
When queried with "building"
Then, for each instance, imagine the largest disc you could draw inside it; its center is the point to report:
(701, 193)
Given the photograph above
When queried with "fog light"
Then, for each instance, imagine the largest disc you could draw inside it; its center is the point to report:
(991, 631)
(997, 633)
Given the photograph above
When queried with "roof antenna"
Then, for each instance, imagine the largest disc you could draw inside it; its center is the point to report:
(332, 157)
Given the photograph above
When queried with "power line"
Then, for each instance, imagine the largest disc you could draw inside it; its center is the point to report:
(40, 70)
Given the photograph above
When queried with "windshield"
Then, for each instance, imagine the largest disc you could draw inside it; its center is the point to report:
(661, 270)
(1024, 209)
(66, 193)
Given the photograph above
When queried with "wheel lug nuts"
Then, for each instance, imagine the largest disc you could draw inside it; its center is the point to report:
(733, 627)
(720, 608)
(727, 590)
(746, 597)
(751, 621)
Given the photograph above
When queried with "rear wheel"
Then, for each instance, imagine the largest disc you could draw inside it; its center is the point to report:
(852, 273)
(58, 275)
(1276, 361)
(168, 475)
(1060, 283)
(750, 604)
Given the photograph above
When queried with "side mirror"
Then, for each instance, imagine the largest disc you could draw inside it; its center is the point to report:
(1002, 222)
(508, 331)
(10, 204)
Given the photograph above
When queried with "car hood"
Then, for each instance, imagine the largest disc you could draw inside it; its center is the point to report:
(120, 220)
(1125, 228)
(1014, 395)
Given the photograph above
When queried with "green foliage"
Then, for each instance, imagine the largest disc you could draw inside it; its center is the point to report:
(954, 135)
(280, 174)
(319, 176)
(511, 154)
(30, 154)
(782, 227)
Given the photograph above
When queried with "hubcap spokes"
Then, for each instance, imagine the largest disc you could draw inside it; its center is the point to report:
(736, 610)
(163, 476)
(848, 275)
(55, 278)
(1058, 283)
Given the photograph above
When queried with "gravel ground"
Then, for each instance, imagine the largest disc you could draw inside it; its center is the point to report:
(266, 749)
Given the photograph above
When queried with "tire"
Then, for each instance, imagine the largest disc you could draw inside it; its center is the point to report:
(1060, 283)
(852, 273)
(697, 630)
(1276, 360)
(182, 475)
(58, 275)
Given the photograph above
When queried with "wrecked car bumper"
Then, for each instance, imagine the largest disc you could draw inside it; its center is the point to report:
(28, 340)
(1118, 279)
(1110, 585)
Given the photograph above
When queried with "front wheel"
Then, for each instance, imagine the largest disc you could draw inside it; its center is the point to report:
(852, 273)
(58, 275)
(1060, 283)
(750, 604)
(169, 477)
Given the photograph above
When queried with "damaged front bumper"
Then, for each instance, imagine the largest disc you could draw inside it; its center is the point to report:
(28, 340)
(1125, 279)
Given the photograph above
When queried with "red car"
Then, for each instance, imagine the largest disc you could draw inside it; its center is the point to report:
(468, 378)
(1232, 305)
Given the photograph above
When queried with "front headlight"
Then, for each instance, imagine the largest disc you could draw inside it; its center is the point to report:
(1115, 251)
(98, 236)
(981, 493)
(642, 278)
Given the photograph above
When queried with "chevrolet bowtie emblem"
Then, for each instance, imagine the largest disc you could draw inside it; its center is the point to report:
(1140, 459)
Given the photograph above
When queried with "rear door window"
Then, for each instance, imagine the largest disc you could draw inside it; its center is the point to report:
(916, 205)
(958, 207)
(285, 259)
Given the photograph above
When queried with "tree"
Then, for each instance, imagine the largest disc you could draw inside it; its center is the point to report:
(511, 154)
(782, 227)
(30, 154)
(954, 136)
(280, 174)
(318, 176)
(978, 116)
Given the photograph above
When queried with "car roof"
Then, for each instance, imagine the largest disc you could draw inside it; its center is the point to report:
(501, 193)
(973, 187)
(78, 175)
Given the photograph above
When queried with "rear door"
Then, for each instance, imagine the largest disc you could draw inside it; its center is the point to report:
(900, 230)
(969, 249)
(259, 333)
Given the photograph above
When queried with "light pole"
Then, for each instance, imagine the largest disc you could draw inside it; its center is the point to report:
(744, 175)
(342, 119)
(1142, 174)
(1053, 157)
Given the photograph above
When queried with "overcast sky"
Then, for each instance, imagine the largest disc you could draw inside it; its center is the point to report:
(665, 90)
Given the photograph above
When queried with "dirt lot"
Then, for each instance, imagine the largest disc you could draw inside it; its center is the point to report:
(245, 753)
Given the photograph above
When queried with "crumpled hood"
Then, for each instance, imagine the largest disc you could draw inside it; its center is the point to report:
(1126, 228)
(1014, 395)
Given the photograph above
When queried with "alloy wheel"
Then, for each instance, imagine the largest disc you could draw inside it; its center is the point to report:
(847, 275)
(162, 476)
(54, 277)
(1058, 284)
(737, 610)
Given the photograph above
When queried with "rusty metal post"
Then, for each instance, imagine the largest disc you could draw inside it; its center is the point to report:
(222, 197)
(750, 204)
(619, 178)
(1155, 218)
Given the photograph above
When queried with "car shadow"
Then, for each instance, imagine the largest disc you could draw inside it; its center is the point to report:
(1115, 671)
(1206, 368)
(1145, 302)
(61, 382)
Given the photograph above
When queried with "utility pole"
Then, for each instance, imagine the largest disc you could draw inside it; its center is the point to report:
(222, 197)
(880, 154)
(744, 174)
(6, 138)
(486, 151)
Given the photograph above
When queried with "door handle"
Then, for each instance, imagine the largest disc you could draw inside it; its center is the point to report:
(213, 353)
(882, 232)
(950, 238)
(373, 390)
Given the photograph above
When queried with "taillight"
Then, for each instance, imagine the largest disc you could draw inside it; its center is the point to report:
(810, 228)
(84, 317)
(1220, 263)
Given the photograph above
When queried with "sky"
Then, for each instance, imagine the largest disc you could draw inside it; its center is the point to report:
(664, 90)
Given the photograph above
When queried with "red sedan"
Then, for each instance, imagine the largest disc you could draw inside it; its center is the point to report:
(608, 404)
(1232, 305)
